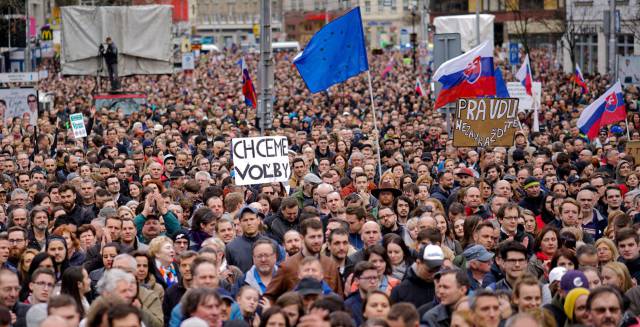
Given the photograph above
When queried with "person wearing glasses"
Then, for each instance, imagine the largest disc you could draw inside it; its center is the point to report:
(514, 264)
(367, 277)
(42, 282)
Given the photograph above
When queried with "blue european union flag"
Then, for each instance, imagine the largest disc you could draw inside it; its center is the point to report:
(501, 87)
(334, 54)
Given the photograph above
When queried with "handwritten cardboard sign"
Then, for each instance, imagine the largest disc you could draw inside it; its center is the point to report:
(485, 122)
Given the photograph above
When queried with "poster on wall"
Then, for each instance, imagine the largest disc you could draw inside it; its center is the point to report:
(19, 103)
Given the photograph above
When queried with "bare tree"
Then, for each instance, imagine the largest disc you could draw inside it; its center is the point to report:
(631, 24)
(521, 20)
(571, 24)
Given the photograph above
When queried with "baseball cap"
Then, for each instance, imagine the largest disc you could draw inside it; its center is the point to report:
(573, 279)
(509, 178)
(556, 274)
(477, 252)
(427, 156)
(465, 171)
(312, 179)
(169, 157)
(182, 234)
(432, 256)
(308, 286)
(247, 209)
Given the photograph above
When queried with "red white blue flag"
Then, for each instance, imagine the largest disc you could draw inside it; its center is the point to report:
(249, 92)
(579, 79)
(524, 75)
(419, 88)
(609, 108)
(468, 75)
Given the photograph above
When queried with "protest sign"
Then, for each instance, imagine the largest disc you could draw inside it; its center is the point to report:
(516, 90)
(485, 122)
(19, 103)
(77, 124)
(258, 160)
(633, 149)
(127, 102)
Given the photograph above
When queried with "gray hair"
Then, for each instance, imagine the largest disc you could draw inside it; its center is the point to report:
(516, 319)
(133, 264)
(109, 280)
(203, 173)
(18, 191)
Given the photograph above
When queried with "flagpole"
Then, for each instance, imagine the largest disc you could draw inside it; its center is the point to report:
(375, 124)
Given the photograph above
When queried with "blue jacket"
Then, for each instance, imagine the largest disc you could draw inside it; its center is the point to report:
(355, 303)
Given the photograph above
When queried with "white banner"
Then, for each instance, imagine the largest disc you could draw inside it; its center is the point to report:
(77, 124)
(18, 77)
(629, 69)
(188, 61)
(259, 160)
(19, 103)
(516, 90)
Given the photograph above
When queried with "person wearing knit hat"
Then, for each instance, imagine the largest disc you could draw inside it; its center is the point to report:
(575, 306)
(534, 195)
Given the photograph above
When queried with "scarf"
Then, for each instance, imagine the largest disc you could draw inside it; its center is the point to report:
(168, 274)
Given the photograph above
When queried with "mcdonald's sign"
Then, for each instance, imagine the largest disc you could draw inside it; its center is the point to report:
(46, 34)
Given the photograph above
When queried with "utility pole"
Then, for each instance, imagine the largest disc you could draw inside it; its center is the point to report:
(27, 48)
(478, 22)
(265, 70)
(326, 12)
(612, 37)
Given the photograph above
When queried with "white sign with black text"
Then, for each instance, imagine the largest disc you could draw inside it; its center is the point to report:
(259, 160)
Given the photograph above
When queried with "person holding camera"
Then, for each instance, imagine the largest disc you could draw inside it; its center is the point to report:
(148, 221)
(110, 55)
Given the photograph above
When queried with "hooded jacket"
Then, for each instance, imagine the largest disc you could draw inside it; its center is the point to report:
(413, 289)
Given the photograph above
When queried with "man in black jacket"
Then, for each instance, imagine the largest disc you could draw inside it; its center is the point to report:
(110, 54)
(418, 286)
(77, 215)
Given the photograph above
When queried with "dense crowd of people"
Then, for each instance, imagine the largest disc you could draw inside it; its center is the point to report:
(141, 223)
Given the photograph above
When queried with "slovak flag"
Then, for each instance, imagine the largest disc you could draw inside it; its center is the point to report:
(524, 75)
(249, 92)
(609, 108)
(580, 80)
(468, 75)
(419, 88)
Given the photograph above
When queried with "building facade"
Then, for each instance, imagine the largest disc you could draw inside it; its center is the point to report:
(587, 19)
(539, 21)
(386, 23)
(235, 22)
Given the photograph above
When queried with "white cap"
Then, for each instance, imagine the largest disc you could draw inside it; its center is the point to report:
(556, 274)
(432, 256)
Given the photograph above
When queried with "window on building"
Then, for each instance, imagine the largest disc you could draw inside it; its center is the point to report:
(587, 52)
(405, 5)
(531, 4)
(625, 44)
(394, 5)
(367, 6)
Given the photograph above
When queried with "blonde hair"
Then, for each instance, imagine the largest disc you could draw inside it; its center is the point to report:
(156, 244)
(612, 247)
(620, 269)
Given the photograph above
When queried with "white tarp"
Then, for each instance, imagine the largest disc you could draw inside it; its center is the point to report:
(142, 35)
(466, 26)
(516, 90)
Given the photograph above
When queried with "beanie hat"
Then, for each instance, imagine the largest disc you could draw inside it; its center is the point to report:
(570, 301)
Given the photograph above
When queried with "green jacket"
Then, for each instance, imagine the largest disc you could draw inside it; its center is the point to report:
(171, 223)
